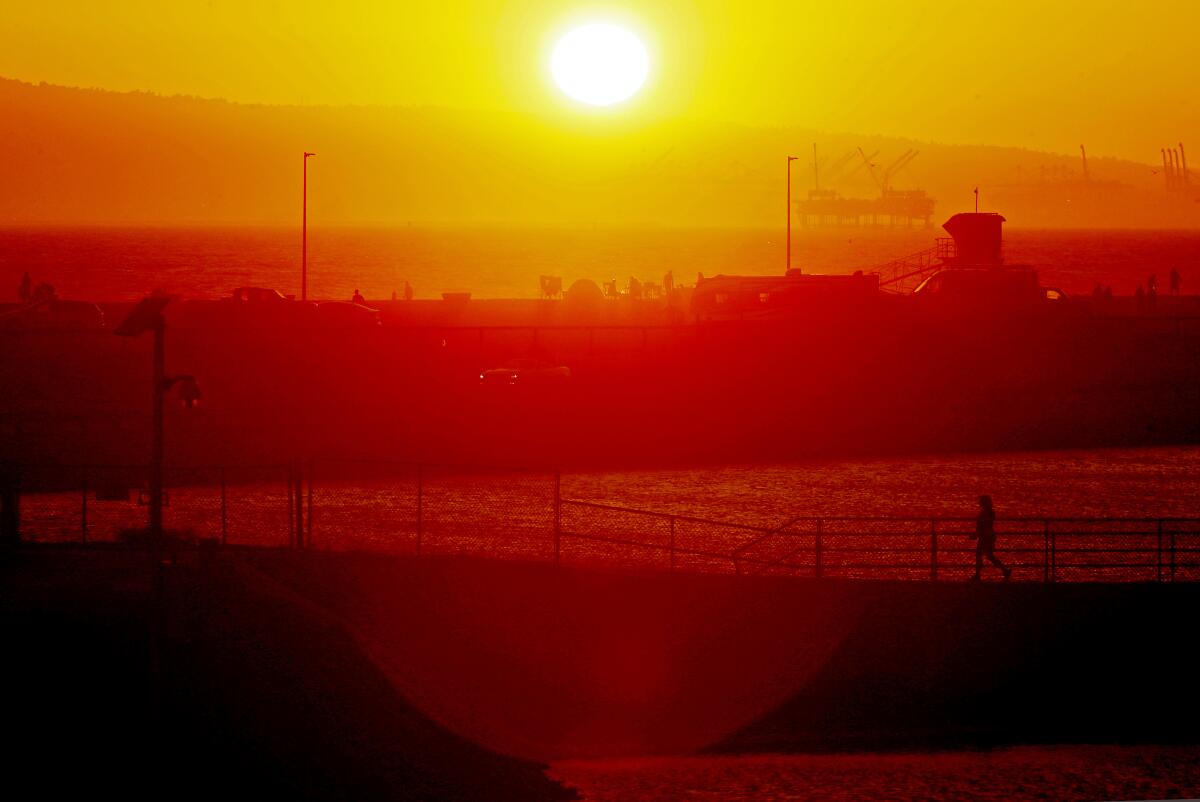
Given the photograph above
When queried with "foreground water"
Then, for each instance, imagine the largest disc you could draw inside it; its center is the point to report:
(122, 263)
(1025, 773)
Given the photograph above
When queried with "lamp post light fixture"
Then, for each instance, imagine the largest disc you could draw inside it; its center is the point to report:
(304, 231)
(788, 260)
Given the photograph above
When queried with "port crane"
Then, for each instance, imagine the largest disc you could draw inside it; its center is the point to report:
(883, 179)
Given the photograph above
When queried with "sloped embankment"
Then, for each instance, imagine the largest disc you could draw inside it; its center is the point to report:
(954, 665)
(257, 694)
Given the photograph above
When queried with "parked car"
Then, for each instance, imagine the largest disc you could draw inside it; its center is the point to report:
(258, 295)
(56, 314)
(525, 372)
(347, 315)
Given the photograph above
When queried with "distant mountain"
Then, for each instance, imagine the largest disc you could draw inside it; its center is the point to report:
(92, 156)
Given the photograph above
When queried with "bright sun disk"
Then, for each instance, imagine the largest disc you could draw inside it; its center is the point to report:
(600, 64)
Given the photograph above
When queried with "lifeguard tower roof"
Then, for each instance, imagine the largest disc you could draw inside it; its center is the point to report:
(978, 238)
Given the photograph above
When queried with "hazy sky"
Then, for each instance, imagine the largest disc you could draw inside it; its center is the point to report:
(1045, 74)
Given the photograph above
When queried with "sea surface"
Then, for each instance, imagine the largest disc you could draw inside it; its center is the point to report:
(1053, 774)
(107, 264)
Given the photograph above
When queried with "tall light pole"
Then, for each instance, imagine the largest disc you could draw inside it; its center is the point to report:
(147, 316)
(304, 233)
(788, 262)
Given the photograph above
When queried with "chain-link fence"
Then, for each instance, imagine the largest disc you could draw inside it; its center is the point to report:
(520, 514)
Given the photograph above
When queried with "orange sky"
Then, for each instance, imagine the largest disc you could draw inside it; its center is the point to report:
(1036, 73)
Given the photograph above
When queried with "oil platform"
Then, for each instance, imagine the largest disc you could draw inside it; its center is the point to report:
(826, 208)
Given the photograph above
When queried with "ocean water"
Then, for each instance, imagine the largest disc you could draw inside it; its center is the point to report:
(1109, 482)
(1052, 774)
(120, 264)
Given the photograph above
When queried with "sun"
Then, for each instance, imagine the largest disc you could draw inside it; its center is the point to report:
(600, 64)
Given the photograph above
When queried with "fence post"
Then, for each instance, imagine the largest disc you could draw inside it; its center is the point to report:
(224, 511)
(672, 542)
(299, 498)
(83, 525)
(1053, 554)
(420, 504)
(10, 505)
(557, 516)
(817, 550)
(291, 507)
(1046, 551)
(1172, 555)
(1159, 561)
(933, 565)
(308, 526)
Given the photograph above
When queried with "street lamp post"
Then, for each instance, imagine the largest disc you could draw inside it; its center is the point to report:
(147, 316)
(304, 232)
(788, 261)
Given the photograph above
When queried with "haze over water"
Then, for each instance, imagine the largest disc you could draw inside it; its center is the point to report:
(104, 264)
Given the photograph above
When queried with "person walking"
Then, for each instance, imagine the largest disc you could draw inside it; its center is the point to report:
(985, 539)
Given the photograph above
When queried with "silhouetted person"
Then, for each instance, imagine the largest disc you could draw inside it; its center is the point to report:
(985, 535)
(1152, 296)
(393, 296)
(26, 290)
(1176, 280)
(407, 291)
(358, 299)
(668, 282)
(1152, 283)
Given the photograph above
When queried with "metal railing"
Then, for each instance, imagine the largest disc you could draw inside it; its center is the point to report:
(1043, 549)
(521, 514)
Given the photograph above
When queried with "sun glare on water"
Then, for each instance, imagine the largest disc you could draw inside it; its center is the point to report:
(600, 64)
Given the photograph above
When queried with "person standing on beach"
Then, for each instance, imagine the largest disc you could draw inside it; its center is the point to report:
(985, 536)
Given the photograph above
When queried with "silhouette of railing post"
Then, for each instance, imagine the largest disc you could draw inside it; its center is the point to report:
(1159, 555)
(83, 522)
(299, 499)
(308, 528)
(224, 511)
(10, 504)
(1172, 555)
(1046, 551)
(672, 542)
(291, 506)
(420, 507)
(557, 517)
(1053, 554)
(933, 547)
(817, 550)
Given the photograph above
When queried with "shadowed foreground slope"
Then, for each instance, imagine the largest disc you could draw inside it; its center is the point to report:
(952, 665)
(570, 662)
(262, 695)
